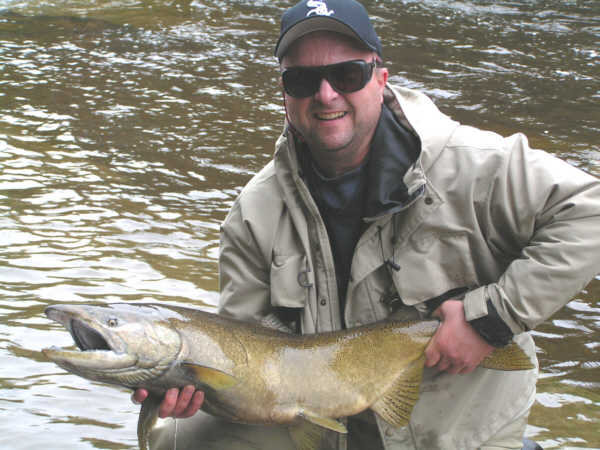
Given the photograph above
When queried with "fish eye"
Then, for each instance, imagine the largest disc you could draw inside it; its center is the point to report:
(112, 322)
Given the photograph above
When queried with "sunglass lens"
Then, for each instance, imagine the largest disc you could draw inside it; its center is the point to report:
(347, 77)
(301, 82)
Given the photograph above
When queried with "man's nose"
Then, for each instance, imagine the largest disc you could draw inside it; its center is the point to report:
(326, 92)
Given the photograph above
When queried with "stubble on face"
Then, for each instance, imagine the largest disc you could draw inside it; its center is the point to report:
(337, 128)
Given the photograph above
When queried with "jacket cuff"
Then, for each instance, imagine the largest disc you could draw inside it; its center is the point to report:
(455, 294)
(492, 328)
(483, 316)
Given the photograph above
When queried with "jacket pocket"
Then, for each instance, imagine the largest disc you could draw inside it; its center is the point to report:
(433, 264)
(290, 280)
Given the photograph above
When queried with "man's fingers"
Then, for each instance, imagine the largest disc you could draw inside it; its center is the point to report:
(443, 364)
(183, 401)
(468, 369)
(432, 354)
(168, 404)
(181, 404)
(194, 405)
(454, 369)
(138, 396)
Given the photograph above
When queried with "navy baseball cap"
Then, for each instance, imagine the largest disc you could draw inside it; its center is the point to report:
(341, 16)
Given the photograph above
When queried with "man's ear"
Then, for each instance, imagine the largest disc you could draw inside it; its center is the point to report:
(382, 75)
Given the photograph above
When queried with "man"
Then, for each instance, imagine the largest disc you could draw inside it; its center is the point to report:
(376, 203)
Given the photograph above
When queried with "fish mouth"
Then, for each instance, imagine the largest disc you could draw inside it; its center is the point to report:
(87, 338)
(95, 353)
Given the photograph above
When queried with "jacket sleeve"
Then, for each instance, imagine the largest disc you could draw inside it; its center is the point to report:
(243, 269)
(543, 215)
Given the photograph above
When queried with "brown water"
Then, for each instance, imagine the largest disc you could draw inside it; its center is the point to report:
(127, 128)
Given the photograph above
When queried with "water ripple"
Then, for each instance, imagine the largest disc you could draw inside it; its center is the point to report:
(127, 129)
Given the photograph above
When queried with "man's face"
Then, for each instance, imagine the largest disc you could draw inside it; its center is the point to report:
(337, 127)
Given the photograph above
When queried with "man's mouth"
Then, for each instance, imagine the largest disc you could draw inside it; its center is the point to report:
(330, 116)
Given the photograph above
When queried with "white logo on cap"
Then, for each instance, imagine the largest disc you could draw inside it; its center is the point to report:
(320, 8)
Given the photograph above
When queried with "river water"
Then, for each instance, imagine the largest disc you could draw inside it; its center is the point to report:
(128, 127)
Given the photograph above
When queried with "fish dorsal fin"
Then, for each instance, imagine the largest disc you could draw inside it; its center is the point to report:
(213, 378)
(396, 404)
(511, 357)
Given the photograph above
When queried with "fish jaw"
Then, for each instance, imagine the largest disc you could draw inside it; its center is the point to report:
(93, 360)
(119, 369)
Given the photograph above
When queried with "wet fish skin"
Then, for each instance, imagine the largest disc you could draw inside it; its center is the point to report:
(250, 373)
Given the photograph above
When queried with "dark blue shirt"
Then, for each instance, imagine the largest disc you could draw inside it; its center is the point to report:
(347, 202)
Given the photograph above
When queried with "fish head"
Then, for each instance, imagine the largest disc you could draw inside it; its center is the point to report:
(123, 344)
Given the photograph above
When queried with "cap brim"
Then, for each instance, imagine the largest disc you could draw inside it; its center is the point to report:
(309, 25)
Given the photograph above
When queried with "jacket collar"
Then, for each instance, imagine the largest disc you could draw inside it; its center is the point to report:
(394, 149)
(418, 113)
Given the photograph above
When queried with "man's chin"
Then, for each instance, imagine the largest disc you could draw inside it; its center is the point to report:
(329, 144)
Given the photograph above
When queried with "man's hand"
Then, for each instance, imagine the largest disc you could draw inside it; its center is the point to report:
(455, 347)
(175, 404)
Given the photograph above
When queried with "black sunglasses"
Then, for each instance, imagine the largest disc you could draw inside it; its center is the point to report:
(344, 77)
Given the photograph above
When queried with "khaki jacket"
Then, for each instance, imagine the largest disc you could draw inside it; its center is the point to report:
(515, 225)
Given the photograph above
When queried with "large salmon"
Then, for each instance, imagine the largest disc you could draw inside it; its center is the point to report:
(253, 374)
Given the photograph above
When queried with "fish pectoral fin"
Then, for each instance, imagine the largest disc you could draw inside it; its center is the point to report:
(147, 419)
(324, 422)
(213, 378)
(397, 403)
